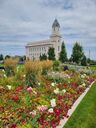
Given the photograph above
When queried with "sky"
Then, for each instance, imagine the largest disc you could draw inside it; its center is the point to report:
(23, 21)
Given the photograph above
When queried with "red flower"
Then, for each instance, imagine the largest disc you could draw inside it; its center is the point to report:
(41, 120)
(60, 97)
(22, 121)
(13, 126)
(19, 89)
(43, 126)
(15, 98)
(74, 85)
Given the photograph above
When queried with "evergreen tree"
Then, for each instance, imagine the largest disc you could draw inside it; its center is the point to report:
(43, 57)
(88, 61)
(63, 54)
(84, 61)
(1, 57)
(51, 53)
(77, 53)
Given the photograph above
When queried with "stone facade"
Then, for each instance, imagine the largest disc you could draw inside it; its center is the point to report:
(35, 49)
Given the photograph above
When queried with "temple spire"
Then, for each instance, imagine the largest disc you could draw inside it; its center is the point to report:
(55, 23)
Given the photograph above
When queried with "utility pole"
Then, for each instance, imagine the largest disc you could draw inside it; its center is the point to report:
(89, 56)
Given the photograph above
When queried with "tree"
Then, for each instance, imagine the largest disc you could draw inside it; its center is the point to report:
(88, 61)
(7, 57)
(43, 57)
(1, 57)
(63, 53)
(22, 58)
(77, 53)
(51, 54)
(84, 61)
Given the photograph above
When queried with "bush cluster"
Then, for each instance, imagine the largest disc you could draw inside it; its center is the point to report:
(34, 69)
(10, 66)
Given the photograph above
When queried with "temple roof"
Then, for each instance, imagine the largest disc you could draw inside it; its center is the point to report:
(55, 23)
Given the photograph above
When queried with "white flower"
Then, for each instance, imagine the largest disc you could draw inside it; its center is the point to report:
(24, 75)
(5, 75)
(35, 92)
(84, 84)
(53, 102)
(9, 87)
(53, 84)
(50, 110)
(56, 91)
(83, 76)
(39, 83)
(64, 90)
(3, 70)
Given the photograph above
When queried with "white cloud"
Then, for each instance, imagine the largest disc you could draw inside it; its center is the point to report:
(27, 20)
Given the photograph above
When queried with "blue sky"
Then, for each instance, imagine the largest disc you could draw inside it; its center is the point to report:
(23, 21)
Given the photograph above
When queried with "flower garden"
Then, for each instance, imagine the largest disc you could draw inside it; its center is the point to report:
(38, 94)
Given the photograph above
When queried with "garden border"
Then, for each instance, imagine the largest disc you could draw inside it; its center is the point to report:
(77, 102)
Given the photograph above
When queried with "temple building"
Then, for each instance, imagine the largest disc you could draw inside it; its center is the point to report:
(35, 49)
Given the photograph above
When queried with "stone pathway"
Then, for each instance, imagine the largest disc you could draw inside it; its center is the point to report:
(63, 121)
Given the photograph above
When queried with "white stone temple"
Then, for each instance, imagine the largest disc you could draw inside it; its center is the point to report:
(35, 49)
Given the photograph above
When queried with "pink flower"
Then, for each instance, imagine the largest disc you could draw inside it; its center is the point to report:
(33, 113)
(29, 89)
(42, 108)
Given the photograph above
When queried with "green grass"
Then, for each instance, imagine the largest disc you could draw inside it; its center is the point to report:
(85, 114)
(1, 65)
(93, 68)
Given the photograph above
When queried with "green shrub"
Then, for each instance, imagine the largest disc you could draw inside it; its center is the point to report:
(43, 57)
(56, 79)
(56, 65)
(11, 81)
(10, 66)
(32, 70)
(46, 66)
(20, 73)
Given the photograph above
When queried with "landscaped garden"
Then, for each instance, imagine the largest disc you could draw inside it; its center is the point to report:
(39, 94)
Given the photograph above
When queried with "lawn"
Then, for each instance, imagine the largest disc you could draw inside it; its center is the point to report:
(93, 67)
(85, 114)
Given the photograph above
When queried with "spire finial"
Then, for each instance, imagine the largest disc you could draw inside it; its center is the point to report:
(56, 23)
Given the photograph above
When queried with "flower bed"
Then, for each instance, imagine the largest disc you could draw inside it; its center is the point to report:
(44, 105)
